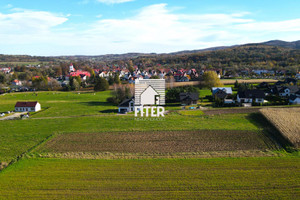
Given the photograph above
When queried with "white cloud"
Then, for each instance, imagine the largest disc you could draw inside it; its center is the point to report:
(154, 28)
(27, 21)
(8, 6)
(114, 1)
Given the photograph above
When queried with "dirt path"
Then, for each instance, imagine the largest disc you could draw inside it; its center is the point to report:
(13, 116)
(231, 111)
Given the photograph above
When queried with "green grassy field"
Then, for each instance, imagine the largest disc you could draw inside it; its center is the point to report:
(20, 135)
(229, 178)
(58, 104)
(80, 121)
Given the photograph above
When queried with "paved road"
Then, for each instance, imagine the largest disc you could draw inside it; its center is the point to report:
(13, 116)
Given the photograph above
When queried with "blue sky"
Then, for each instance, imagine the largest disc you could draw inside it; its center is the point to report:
(96, 27)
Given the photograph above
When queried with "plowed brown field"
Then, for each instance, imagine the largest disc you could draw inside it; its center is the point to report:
(158, 142)
(287, 121)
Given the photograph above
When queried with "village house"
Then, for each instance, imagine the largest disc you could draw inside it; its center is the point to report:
(188, 98)
(5, 70)
(287, 91)
(294, 99)
(27, 106)
(251, 96)
(126, 106)
(16, 82)
(223, 93)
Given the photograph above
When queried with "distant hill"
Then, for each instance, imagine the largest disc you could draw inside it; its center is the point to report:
(276, 43)
(276, 50)
(280, 43)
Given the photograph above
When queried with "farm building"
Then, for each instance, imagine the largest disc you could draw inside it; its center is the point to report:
(126, 106)
(27, 106)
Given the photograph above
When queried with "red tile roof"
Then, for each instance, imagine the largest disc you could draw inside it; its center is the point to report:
(26, 104)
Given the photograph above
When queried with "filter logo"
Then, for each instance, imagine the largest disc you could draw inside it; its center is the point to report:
(150, 98)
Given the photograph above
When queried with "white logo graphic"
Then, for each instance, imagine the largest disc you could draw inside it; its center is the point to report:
(149, 97)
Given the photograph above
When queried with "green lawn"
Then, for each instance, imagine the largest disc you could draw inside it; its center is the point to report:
(205, 92)
(227, 178)
(57, 104)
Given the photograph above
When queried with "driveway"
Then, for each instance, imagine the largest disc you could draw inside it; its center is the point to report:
(13, 116)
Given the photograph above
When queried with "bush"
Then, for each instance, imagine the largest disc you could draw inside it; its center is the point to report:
(101, 84)
(120, 93)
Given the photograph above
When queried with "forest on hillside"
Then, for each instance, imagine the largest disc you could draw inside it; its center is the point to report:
(239, 57)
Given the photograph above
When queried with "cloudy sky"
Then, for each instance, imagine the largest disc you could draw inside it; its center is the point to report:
(96, 27)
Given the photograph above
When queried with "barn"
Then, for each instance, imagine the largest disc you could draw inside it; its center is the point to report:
(27, 106)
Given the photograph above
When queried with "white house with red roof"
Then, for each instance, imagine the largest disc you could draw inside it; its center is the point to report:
(5, 70)
(16, 82)
(27, 106)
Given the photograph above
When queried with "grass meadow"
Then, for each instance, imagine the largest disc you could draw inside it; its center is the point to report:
(227, 178)
(18, 136)
(60, 104)
(73, 122)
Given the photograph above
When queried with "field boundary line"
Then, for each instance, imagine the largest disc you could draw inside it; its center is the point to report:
(183, 155)
(24, 154)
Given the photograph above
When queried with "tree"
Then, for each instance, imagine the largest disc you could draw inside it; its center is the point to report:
(58, 71)
(24, 76)
(75, 82)
(101, 84)
(2, 78)
(40, 83)
(211, 79)
(243, 86)
(173, 94)
(110, 80)
(117, 78)
(54, 85)
(91, 71)
(131, 69)
(154, 77)
(120, 93)
(236, 84)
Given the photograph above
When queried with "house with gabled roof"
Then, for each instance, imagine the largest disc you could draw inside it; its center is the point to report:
(223, 93)
(189, 98)
(293, 99)
(251, 96)
(126, 106)
(27, 106)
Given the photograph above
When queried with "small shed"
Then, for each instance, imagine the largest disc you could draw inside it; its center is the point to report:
(27, 106)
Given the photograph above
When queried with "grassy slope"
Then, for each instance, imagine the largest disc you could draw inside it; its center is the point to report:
(247, 178)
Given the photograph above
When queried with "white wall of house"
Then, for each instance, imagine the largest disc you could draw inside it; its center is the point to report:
(245, 100)
(130, 108)
(229, 101)
(296, 101)
(259, 100)
(29, 109)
